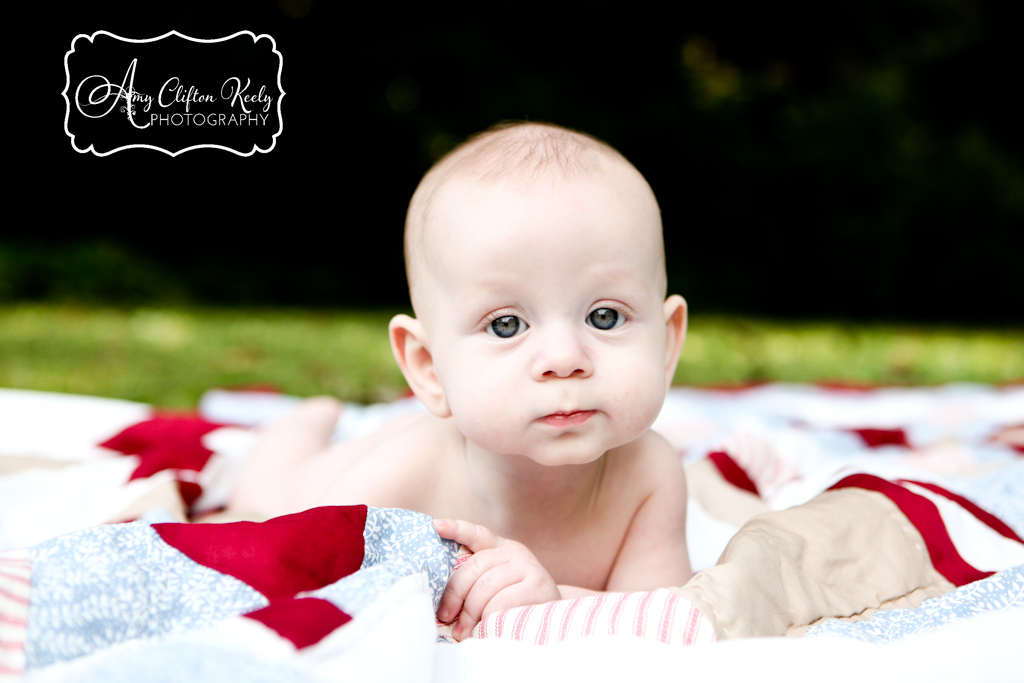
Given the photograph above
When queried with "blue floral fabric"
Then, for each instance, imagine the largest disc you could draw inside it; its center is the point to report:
(1004, 590)
(104, 585)
(407, 537)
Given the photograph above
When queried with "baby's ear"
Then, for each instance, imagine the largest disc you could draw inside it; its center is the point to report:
(409, 344)
(675, 333)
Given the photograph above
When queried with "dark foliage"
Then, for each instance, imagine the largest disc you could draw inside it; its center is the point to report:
(864, 161)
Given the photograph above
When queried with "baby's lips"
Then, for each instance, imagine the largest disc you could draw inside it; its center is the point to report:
(568, 419)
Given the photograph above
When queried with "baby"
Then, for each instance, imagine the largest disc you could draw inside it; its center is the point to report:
(543, 347)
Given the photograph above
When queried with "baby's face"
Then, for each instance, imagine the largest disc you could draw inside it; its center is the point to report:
(544, 313)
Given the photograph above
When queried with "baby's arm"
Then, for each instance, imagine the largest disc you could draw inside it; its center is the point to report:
(654, 553)
(504, 574)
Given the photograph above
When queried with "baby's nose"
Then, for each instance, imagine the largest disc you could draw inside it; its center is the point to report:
(562, 355)
(560, 372)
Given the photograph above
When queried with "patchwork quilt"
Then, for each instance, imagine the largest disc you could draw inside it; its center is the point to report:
(847, 517)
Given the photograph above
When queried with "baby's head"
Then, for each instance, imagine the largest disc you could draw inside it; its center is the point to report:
(523, 155)
(537, 274)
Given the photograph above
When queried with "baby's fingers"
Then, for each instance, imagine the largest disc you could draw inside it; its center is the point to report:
(473, 536)
(495, 590)
(464, 580)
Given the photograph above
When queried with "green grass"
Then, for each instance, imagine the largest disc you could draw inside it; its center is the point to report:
(739, 350)
(169, 357)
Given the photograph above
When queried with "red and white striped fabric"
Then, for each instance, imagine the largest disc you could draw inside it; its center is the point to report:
(658, 615)
(15, 568)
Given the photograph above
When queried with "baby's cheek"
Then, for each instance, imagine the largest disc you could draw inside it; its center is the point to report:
(485, 420)
(491, 437)
(640, 401)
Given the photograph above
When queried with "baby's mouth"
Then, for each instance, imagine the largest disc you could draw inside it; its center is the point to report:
(568, 419)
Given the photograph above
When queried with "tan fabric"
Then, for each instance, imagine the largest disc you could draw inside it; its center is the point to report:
(165, 495)
(909, 601)
(9, 464)
(719, 498)
(228, 516)
(845, 553)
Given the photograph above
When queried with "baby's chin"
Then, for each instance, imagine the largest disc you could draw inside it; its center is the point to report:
(577, 445)
(564, 451)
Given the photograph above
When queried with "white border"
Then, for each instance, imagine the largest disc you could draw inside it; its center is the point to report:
(255, 38)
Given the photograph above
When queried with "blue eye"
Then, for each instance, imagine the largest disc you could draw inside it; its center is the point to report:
(507, 326)
(605, 318)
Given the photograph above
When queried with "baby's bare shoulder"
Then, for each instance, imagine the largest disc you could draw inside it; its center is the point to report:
(390, 468)
(650, 463)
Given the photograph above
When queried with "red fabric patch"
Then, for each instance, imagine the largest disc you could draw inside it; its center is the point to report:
(189, 492)
(923, 514)
(873, 438)
(732, 472)
(304, 621)
(279, 557)
(165, 442)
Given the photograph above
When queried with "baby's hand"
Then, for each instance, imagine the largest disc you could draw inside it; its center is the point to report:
(501, 574)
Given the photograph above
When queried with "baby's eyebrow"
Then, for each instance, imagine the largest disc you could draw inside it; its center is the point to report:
(618, 281)
(485, 289)
(627, 277)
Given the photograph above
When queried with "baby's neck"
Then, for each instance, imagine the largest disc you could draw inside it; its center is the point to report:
(517, 496)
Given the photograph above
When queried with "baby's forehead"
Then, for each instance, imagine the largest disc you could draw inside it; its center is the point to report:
(506, 206)
(601, 228)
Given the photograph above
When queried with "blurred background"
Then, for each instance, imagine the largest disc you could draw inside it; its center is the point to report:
(854, 169)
